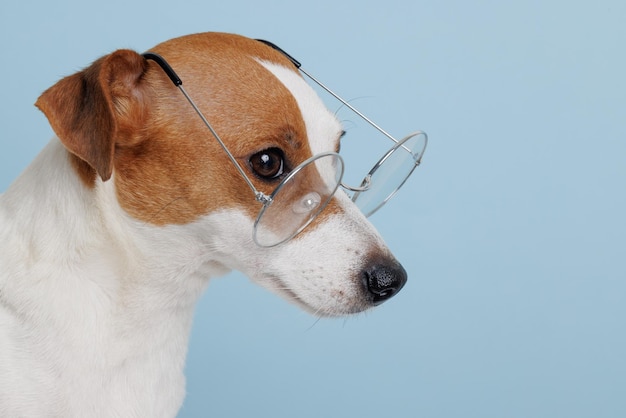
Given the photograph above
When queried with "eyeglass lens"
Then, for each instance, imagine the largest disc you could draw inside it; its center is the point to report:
(390, 173)
(298, 199)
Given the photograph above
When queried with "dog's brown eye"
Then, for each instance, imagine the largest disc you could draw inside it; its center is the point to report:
(268, 164)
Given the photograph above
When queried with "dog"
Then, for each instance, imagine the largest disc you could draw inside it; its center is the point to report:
(110, 236)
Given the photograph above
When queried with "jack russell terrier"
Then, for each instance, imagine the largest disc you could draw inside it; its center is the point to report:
(152, 187)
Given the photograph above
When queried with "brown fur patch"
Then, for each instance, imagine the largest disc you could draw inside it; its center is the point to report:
(124, 115)
(179, 172)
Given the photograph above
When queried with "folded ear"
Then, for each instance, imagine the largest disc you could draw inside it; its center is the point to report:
(96, 108)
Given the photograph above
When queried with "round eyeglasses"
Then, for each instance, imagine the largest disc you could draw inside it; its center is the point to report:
(304, 193)
(306, 190)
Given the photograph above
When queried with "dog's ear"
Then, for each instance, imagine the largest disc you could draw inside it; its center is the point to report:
(98, 107)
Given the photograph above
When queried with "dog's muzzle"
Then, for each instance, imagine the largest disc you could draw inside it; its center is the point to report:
(383, 280)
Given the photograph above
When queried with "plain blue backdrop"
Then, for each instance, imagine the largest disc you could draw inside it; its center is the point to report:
(512, 231)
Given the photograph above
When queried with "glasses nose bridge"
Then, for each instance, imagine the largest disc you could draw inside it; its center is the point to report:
(365, 185)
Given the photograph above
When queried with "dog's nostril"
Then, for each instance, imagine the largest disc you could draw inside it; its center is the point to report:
(382, 281)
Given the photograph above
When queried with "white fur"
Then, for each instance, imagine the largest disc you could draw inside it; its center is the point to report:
(100, 331)
(321, 125)
(96, 307)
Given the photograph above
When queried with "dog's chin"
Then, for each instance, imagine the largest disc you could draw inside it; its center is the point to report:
(328, 307)
(335, 311)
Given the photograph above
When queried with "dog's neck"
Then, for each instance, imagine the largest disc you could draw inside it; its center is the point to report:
(115, 312)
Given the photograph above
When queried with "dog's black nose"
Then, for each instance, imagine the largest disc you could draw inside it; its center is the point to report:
(383, 280)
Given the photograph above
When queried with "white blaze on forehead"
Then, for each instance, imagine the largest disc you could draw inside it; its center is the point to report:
(323, 128)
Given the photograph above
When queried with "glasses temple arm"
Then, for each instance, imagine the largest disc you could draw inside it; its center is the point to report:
(260, 196)
(319, 83)
(345, 103)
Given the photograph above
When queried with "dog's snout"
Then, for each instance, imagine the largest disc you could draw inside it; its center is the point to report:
(383, 280)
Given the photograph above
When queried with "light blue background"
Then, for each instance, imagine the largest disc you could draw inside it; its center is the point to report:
(512, 231)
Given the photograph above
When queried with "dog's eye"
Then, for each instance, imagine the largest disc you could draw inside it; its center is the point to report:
(268, 164)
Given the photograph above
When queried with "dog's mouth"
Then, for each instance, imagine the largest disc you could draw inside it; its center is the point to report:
(320, 302)
(377, 283)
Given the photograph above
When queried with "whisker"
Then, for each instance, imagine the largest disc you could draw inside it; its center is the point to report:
(317, 320)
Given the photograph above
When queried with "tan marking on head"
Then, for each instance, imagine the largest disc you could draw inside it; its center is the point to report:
(179, 172)
(122, 115)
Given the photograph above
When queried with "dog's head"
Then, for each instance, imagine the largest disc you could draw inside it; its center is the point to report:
(123, 119)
